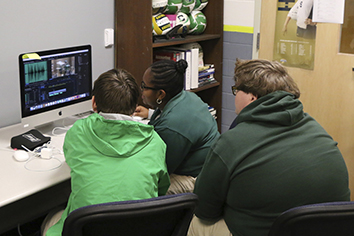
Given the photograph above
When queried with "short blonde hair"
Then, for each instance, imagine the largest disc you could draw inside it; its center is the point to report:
(261, 77)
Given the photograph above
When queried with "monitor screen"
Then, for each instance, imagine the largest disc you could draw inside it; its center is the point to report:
(55, 84)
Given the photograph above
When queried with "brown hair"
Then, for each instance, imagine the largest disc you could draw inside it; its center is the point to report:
(261, 77)
(116, 91)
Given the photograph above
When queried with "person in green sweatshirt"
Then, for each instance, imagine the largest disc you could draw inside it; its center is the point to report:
(112, 157)
(181, 119)
(276, 157)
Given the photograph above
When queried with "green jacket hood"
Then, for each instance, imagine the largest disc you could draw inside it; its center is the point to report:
(117, 138)
(279, 107)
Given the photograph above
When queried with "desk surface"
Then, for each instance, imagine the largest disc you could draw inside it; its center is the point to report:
(31, 189)
(20, 180)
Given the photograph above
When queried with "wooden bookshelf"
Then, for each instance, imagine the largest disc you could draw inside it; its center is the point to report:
(134, 44)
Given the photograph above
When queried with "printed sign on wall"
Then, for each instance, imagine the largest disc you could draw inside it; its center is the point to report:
(295, 34)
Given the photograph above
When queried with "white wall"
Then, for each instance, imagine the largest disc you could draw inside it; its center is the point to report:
(240, 31)
(239, 12)
(40, 25)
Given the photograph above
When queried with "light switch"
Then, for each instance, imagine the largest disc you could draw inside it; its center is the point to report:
(108, 37)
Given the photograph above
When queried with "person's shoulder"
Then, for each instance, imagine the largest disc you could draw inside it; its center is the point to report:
(84, 122)
(156, 137)
(230, 148)
(192, 96)
(232, 139)
(193, 104)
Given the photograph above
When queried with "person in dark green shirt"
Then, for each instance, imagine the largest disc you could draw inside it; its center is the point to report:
(181, 119)
(276, 157)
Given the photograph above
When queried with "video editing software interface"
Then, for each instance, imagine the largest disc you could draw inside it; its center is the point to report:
(55, 79)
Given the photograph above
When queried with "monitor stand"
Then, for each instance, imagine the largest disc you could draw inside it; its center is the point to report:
(62, 125)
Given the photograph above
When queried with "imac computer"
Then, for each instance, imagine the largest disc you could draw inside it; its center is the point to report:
(55, 84)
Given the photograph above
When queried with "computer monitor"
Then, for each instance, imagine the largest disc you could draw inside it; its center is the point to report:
(55, 84)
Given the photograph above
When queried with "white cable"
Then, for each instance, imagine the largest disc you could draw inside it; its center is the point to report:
(26, 148)
(32, 152)
(37, 153)
(19, 230)
(54, 168)
(60, 128)
(7, 149)
(65, 128)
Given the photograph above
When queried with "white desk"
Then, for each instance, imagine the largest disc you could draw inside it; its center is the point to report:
(28, 194)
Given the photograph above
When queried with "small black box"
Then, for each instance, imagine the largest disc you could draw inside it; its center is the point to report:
(30, 140)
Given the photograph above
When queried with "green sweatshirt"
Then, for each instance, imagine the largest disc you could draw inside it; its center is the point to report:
(112, 160)
(188, 130)
(277, 157)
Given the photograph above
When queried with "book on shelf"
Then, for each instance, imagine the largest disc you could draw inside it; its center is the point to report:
(206, 76)
(206, 80)
(166, 55)
(206, 72)
(205, 67)
(212, 111)
(187, 54)
(196, 54)
(175, 54)
(194, 72)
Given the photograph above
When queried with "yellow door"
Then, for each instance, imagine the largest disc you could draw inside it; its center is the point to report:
(327, 91)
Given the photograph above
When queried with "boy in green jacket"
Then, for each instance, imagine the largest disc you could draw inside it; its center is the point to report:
(111, 156)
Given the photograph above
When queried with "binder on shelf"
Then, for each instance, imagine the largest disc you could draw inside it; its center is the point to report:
(194, 67)
(187, 77)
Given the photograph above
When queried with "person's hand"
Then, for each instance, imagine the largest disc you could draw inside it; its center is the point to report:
(141, 111)
(284, 30)
(308, 21)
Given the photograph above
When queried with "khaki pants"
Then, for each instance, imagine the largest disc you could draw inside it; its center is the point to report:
(51, 219)
(200, 227)
(181, 184)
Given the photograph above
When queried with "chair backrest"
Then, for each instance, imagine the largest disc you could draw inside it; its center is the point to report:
(323, 219)
(164, 215)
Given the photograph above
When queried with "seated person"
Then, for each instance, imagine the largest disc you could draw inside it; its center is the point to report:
(181, 119)
(111, 156)
(276, 157)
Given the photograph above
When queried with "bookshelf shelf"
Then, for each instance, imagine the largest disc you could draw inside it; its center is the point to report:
(134, 44)
(205, 87)
(187, 39)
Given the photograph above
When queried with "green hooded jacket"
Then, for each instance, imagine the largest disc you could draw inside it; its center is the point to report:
(114, 159)
(277, 157)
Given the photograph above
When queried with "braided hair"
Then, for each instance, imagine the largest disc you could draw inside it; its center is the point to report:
(169, 76)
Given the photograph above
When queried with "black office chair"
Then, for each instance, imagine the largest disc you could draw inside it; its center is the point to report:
(323, 219)
(160, 216)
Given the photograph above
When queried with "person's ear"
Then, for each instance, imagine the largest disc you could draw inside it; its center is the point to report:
(94, 105)
(253, 97)
(161, 94)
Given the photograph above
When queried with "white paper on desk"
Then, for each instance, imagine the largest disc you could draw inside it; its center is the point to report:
(328, 11)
